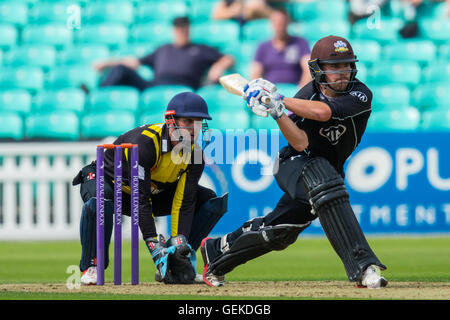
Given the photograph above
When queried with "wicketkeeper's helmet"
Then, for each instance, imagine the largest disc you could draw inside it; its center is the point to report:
(188, 105)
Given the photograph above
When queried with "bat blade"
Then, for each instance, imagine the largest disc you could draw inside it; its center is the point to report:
(233, 83)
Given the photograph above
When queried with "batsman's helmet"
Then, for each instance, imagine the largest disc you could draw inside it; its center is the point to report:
(332, 50)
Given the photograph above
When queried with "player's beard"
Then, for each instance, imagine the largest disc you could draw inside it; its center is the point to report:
(340, 85)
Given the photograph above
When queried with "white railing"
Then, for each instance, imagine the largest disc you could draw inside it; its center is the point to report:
(37, 199)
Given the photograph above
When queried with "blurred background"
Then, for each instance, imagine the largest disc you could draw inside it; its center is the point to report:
(54, 108)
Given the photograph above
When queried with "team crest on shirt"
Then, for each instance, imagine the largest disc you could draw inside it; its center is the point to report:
(360, 95)
(340, 46)
(333, 133)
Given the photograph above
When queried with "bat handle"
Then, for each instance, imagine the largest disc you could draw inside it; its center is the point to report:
(266, 100)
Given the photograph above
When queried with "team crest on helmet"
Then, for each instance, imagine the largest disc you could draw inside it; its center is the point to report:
(340, 46)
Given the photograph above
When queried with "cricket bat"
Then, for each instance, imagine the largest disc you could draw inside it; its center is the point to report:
(234, 83)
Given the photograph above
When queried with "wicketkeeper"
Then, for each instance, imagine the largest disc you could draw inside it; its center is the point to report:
(170, 166)
(329, 118)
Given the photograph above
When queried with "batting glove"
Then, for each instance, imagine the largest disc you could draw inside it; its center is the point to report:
(258, 94)
(274, 105)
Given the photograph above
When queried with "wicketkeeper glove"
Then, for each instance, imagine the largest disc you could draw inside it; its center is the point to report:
(171, 259)
(160, 254)
(181, 268)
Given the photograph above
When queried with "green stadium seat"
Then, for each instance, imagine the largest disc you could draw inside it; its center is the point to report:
(114, 98)
(436, 30)
(218, 100)
(436, 120)
(54, 34)
(431, 96)
(257, 30)
(84, 54)
(362, 71)
(114, 12)
(318, 10)
(72, 76)
(432, 10)
(395, 9)
(212, 33)
(136, 49)
(287, 89)
(438, 72)
(386, 32)
(30, 78)
(394, 120)
(154, 33)
(402, 72)
(314, 30)
(163, 11)
(107, 123)
(52, 12)
(8, 36)
(225, 119)
(11, 125)
(43, 56)
(60, 125)
(242, 67)
(15, 100)
(69, 99)
(422, 51)
(201, 11)
(444, 52)
(151, 118)
(390, 97)
(29, 3)
(110, 34)
(367, 51)
(14, 12)
(243, 52)
(145, 72)
(156, 98)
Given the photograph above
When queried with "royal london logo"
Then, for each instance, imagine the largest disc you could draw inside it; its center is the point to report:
(340, 46)
(333, 133)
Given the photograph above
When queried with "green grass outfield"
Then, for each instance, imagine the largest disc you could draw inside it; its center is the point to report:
(424, 259)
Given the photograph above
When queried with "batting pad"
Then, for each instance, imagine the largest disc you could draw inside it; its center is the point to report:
(254, 243)
(330, 201)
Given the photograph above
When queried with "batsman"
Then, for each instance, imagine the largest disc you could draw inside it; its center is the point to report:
(170, 165)
(328, 120)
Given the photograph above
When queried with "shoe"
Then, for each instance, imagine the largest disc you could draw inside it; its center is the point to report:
(89, 276)
(158, 277)
(372, 278)
(198, 278)
(209, 278)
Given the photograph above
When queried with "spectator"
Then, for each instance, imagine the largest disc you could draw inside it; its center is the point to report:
(241, 11)
(180, 62)
(284, 58)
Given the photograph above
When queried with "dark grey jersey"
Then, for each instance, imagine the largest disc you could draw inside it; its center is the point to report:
(336, 139)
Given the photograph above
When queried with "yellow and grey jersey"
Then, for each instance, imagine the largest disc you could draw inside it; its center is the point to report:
(162, 170)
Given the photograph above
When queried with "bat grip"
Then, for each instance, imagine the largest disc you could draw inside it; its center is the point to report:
(266, 100)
